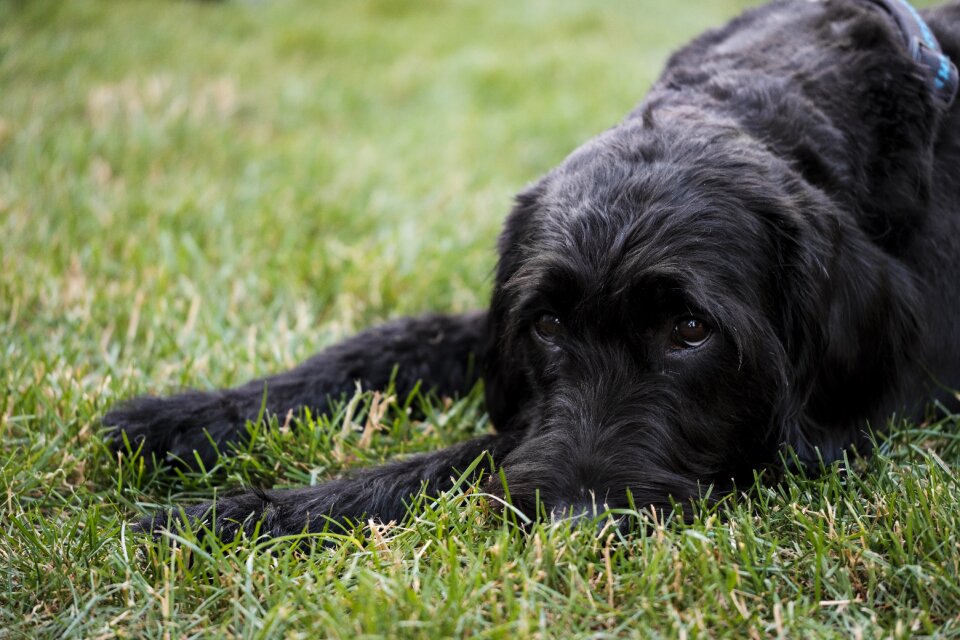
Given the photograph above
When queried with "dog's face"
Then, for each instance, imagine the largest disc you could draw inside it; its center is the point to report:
(661, 309)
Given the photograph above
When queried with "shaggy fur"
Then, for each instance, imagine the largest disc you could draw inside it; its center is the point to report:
(789, 192)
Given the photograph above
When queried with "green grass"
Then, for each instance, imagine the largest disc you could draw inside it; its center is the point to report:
(196, 193)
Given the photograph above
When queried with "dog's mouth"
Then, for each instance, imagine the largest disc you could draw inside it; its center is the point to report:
(558, 492)
(626, 515)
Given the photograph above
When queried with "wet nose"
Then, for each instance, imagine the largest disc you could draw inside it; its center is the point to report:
(579, 509)
(582, 510)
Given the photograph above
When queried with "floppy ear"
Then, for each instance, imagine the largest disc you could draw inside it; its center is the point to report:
(505, 382)
(849, 327)
(851, 319)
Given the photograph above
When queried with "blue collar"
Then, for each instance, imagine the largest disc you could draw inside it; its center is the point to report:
(924, 49)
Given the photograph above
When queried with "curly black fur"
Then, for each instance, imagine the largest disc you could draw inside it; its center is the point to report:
(789, 183)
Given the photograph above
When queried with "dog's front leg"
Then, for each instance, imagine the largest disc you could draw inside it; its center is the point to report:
(381, 493)
(439, 350)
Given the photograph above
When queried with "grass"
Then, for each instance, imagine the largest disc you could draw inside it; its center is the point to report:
(196, 193)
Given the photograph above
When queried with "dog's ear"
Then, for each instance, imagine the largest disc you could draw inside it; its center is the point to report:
(505, 381)
(849, 328)
(895, 118)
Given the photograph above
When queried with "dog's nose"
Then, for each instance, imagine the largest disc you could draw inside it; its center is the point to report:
(583, 509)
(575, 510)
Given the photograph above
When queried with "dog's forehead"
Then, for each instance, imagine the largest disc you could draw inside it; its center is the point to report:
(640, 199)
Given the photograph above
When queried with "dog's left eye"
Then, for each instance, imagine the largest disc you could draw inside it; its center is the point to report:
(689, 332)
(548, 327)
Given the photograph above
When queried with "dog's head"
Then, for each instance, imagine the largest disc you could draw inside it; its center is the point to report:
(673, 306)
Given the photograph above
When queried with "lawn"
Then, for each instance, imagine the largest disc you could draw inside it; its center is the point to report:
(196, 193)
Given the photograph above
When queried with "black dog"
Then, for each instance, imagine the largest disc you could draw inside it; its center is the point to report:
(763, 257)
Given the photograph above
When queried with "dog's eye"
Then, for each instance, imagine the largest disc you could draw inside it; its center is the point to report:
(548, 326)
(690, 332)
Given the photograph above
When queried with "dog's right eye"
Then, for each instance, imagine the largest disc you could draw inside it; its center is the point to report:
(689, 333)
(548, 327)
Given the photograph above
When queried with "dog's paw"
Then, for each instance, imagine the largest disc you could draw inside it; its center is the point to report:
(265, 514)
(251, 514)
(179, 429)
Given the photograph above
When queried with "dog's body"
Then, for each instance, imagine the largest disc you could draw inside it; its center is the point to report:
(763, 256)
